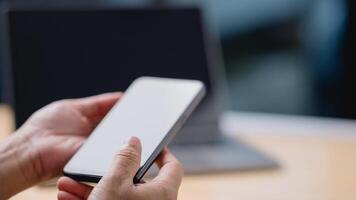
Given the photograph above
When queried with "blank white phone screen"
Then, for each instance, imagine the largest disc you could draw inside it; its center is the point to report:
(148, 110)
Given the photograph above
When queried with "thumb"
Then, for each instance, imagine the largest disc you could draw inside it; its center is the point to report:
(126, 162)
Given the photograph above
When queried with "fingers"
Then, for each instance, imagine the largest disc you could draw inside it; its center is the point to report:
(166, 184)
(71, 144)
(62, 195)
(171, 171)
(116, 184)
(126, 163)
(69, 188)
(97, 105)
(125, 166)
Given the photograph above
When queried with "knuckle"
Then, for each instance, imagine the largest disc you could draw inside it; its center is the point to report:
(128, 154)
(61, 104)
(180, 167)
(106, 191)
(167, 192)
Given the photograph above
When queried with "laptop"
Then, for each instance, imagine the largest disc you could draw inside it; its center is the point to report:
(71, 53)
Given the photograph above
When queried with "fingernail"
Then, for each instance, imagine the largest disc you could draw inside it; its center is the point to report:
(127, 142)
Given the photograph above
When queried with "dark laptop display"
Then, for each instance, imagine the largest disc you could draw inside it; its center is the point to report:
(68, 54)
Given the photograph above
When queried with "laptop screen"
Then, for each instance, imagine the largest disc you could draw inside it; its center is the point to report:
(69, 54)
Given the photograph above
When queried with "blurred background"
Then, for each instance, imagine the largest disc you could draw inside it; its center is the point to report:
(281, 56)
(288, 57)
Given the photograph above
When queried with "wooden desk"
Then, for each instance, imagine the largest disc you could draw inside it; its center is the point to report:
(313, 168)
(6, 121)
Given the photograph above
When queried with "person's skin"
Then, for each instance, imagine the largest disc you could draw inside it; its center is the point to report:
(41, 147)
(118, 182)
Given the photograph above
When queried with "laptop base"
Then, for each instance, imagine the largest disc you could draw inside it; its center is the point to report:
(218, 157)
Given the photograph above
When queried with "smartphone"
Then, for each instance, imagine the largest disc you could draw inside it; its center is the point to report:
(152, 109)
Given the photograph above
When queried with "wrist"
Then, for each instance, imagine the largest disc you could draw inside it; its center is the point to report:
(17, 164)
(29, 156)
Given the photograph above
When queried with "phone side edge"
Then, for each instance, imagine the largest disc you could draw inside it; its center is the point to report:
(171, 133)
(83, 177)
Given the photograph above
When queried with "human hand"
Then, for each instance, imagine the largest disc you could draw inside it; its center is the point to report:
(41, 147)
(55, 132)
(118, 182)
